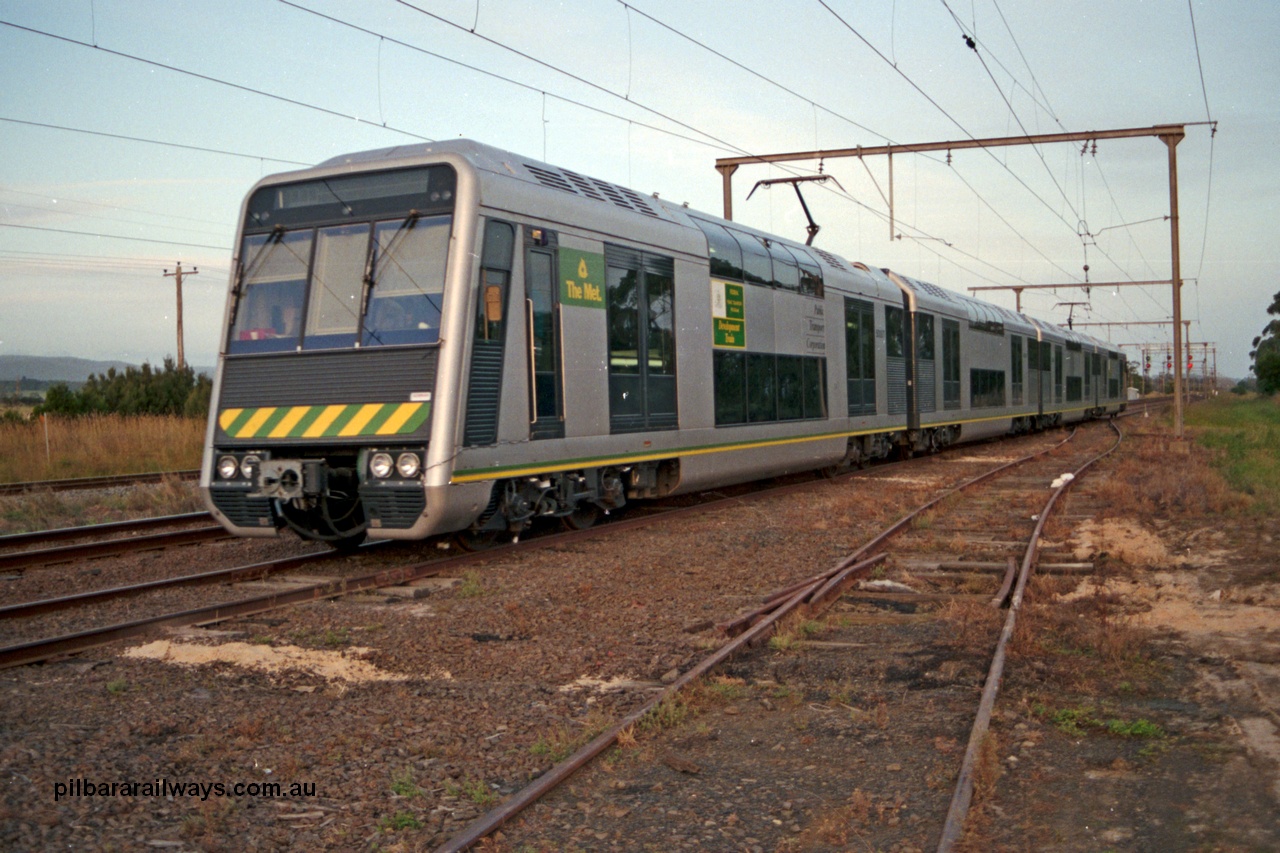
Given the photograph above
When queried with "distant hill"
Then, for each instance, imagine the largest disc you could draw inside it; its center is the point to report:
(60, 369)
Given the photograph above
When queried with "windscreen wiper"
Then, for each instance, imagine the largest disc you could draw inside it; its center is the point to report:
(246, 270)
(366, 289)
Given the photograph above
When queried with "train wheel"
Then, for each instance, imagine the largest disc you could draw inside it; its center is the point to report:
(480, 540)
(584, 515)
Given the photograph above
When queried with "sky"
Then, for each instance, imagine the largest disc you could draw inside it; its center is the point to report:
(131, 130)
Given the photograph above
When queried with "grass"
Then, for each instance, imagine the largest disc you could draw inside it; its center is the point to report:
(1244, 433)
(44, 510)
(99, 445)
(474, 790)
(402, 784)
(471, 587)
(1082, 720)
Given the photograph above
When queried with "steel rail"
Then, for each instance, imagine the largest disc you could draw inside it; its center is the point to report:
(961, 799)
(110, 547)
(522, 799)
(236, 574)
(807, 595)
(740, 622)
(40, 650)
(75, 483)
(63, 533)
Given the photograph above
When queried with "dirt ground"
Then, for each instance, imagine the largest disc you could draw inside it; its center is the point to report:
(1138, 713)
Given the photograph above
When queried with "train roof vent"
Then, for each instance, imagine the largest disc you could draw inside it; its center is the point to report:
(934, 290)
(548, 178)
(831, 259)
(572, 182)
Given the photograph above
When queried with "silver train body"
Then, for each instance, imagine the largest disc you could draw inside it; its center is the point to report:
(453, 338)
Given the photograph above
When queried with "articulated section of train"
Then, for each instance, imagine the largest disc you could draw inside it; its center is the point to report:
(450, 338)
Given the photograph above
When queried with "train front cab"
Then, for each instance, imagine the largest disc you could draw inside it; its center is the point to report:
(341, 326)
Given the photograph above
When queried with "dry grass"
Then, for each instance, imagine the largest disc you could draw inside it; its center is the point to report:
(98, 446)
(46, 510)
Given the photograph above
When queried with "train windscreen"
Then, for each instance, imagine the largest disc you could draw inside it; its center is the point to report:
(341, 262)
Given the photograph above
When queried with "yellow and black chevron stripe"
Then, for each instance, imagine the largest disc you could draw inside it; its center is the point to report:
(341, 421)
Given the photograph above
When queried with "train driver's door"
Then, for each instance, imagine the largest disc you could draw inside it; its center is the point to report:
(542, 323)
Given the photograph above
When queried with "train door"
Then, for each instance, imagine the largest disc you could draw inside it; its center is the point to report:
(896, 359)
(1057, 374)
(542, 320)
(640, 290)
(484, 389)
(950, 364)
(926, 364)
(1035, 394)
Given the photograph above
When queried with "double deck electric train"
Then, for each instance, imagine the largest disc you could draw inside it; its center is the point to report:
(451, 338)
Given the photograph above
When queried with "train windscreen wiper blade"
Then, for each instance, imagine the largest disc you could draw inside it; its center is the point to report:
(366, 288)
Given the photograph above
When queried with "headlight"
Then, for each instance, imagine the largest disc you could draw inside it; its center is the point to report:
(408, 465)
(380, 465)
(249, 466)
(227, 467)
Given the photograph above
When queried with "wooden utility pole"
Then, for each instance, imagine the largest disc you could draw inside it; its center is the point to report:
(177, 276)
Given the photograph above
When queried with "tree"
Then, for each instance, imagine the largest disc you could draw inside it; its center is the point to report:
(137, 391)
(1266, 352)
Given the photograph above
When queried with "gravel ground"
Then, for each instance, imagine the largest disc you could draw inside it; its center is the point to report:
(401, 719)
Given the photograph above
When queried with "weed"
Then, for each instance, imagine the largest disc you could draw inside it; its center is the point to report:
(333, 639)
(117, 686)
(471, 586)
(474, 790)
(1078, 722)
(726, 689)
(783, 641)
(668, 713)
(402, 784)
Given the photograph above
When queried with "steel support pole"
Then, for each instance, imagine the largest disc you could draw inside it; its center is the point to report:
(726, 179)
(1171, 141)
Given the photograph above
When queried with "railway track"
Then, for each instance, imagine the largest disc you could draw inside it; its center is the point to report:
(104, 540)
(910, 541)
(81, 483)
(806, 597)
(45, 647)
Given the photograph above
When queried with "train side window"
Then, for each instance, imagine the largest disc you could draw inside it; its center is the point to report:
(757, 265)
(723, 251)
(815, 388)
(986, 388)
(894, 332)
(951, 364)
(1057, 373)
(272, 292)
(810, 274)
(1015, 369)
(730, 387)
(860, 356)
(786, 272)
(762, 387)
(924, 337)
(790, 388)
(499, 243)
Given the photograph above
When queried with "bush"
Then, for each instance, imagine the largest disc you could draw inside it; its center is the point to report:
(136, 391)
